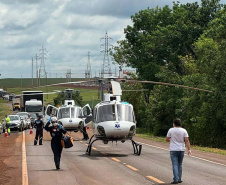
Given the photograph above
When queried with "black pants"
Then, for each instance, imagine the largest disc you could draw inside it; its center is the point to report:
(38, 136)
(57, 150)
(85, 135)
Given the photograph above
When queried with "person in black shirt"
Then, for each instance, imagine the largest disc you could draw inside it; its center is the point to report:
(56, 131)
(38, 124)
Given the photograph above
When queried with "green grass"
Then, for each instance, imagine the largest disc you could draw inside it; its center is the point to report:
(27, 82)
(211, 150)
(142, 134)
(3, 101)
(88, 95)
(4, 109)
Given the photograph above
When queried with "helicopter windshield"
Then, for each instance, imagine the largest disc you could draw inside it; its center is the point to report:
(64, 113)
(106, 113)
(75, 112)
(125, 112)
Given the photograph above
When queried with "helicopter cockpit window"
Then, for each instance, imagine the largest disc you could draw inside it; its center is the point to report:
(106, 113)
(75, 112)
(125, 113)
(64, 113)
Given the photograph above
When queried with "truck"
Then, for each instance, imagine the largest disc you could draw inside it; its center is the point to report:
(16, 102)
(2, 93)
(32, 102)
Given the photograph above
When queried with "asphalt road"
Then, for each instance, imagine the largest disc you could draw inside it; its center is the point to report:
(114, 164)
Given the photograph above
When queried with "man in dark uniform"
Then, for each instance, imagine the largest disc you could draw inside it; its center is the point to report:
(85, 135)
(56, 131)
(38, 124)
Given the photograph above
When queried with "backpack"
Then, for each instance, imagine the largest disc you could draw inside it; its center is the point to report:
(67, 142)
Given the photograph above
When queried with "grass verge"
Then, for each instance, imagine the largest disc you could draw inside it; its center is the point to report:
(4, 109)
(141, 133)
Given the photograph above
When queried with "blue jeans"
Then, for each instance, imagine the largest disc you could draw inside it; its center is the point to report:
(177, 160)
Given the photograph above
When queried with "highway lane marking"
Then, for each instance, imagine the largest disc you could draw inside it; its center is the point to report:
(132, 168)
(154, 146)
(155, 179)
(116, 159)
(208, 160)
(185, 154)
(104, 153)
(24, 162)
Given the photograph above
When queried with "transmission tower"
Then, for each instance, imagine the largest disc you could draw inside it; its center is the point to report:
(42, 57)
(68, 75)
(88, 68)
(106, 67)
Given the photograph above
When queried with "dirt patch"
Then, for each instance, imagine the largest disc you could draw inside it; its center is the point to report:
(11, 159)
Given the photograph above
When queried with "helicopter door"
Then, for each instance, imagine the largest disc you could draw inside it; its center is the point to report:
(50, 111)
(87, 114)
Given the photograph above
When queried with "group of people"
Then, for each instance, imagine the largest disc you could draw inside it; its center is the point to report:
(56, 131)
(177, 136)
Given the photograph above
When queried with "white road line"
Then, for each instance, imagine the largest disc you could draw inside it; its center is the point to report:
(185, 154)
(24, 163)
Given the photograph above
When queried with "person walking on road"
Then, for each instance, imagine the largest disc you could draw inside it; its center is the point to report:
(177, 137)
(38, 124)
(56, 131)
(7, 124)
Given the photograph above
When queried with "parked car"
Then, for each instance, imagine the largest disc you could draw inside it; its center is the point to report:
(16, 123)
(33, 118)
(26, 118)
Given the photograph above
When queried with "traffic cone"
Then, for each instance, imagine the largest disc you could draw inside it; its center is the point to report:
(31, 131)
(6, 133)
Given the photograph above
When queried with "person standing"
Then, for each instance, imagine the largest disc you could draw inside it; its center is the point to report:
(7, 124)
(85, 135)
(56, 131)
(177, 137)
(38, 124)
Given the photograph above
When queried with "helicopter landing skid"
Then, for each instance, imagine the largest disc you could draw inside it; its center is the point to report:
(136, 147)
(89, 147)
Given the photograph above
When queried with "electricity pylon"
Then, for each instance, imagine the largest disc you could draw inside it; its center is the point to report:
(106, 67)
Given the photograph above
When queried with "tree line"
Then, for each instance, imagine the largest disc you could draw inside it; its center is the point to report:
(184, 44)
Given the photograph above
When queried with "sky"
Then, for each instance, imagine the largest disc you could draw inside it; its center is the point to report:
(66, 30)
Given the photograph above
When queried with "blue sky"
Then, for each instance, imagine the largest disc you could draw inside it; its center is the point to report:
(68, 29)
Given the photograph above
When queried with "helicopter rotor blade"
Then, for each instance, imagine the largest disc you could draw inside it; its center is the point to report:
(169, 84)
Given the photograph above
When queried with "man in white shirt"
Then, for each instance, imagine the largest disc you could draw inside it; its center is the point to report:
(177, 137)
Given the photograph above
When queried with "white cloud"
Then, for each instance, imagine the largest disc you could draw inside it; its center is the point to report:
(68, 29)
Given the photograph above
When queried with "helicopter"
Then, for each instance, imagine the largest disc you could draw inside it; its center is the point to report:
(113, 120)
(69, 115)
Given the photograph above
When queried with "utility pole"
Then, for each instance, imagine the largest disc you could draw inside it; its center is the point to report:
(88, 68)
(46, 86)
(32, 82)
(21, 81)
(42, 57)
(36, 58)
(106, 67)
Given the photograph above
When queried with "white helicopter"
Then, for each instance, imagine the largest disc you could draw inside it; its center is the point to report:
(113, 120)
(71, 116)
